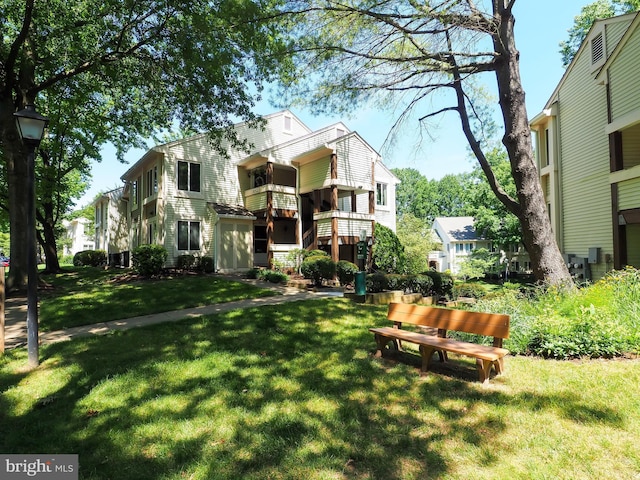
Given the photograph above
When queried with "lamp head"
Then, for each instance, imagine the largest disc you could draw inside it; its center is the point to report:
(31, 125)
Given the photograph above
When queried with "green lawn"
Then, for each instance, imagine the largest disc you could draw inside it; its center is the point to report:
(85, 295)
(293, 392)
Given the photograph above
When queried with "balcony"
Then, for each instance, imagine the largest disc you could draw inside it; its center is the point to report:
(284, 198)
(350, 224)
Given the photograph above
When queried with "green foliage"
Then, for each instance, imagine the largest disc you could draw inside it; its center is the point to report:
(422, 284)
(387, 251)
(479, 263)
(376, 282)
(588, 15)
(90, 258)
(273, 276)
(315, 253)
(346, 272)
(318, 268)
(418, 240)
(470, 290)
(253, 274)
(442, 283)
(599, 320)
(148, 260)
(185, 262)
(205, 264)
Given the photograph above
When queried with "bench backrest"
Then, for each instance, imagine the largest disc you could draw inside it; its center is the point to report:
(490, 324)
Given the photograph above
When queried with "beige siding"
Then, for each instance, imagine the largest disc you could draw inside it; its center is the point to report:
(324, 227)
(623, 79)
(614, 32)
(585, 161)
(631, 146)
(257, 202)
(387, 215)
(629, 194)
(352, 227)
(354, 162)
(313, 175)
(285, 201)
(305, 144)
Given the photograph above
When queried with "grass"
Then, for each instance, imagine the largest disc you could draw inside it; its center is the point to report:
(292, 391)
(85, 295)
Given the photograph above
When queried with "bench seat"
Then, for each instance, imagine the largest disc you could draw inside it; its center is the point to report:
(442, 319)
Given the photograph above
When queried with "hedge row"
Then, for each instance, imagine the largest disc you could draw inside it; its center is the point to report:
(428, 283)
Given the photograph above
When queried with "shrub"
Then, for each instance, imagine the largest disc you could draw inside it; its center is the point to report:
(387, 251)
(253, 274)
(205, 264)
(376, 282)
(149, 260)
(274, 276)
(346, 272)
(91, 258)
(317, 268)
(420, 284)
(442, 283)
(396, 282)
(313, 253)
(471, 290)
(185, 262)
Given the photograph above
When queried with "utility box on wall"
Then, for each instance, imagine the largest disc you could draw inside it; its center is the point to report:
(594, 254)
(578, 266)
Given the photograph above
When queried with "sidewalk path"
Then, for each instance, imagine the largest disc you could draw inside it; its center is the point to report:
(16, 314)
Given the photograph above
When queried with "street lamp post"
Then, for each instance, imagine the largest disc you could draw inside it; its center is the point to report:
(31, 127)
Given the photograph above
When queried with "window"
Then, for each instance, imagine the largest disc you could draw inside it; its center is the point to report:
(260, 239)
(546, 147)
(152, 181)
(189, 176)
(381, 194)
(188, 235)
(151, 234)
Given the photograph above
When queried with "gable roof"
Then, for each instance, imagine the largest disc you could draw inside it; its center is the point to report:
(628, 17)
(457, 229)
(620, 45)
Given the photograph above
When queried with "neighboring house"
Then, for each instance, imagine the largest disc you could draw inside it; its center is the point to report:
(588, 151)
(111, 227)
(79, 238)
(297, 189)
(459, 238)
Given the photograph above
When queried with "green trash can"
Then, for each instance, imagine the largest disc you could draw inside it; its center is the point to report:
(361, 284)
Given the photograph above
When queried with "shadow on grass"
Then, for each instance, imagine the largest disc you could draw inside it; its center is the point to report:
(287, 391)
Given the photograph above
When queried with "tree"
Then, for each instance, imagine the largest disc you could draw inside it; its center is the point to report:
(416, 236)
(589, 14)
(387, 251)
(491, 217)
(402, 52)
(120, 70)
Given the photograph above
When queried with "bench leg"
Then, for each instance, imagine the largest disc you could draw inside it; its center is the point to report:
(427, 353)
(499, 364)
(382, 342)
(484, 369)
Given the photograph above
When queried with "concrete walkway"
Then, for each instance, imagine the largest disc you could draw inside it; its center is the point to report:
(16, 314)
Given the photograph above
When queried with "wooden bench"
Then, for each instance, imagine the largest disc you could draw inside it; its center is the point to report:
(440, 320)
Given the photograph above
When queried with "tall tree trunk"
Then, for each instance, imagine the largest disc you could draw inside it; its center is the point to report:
(15, 157)
(539, 240)
(47, 238)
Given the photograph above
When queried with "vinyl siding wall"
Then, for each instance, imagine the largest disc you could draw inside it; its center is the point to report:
(584, 161)
(386, 215)
(623, 79)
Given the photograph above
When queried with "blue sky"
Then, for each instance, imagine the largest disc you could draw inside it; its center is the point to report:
(540, 26)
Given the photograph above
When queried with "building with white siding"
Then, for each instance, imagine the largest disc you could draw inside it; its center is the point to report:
(296, 189)
(78, 237)
(588, 151)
